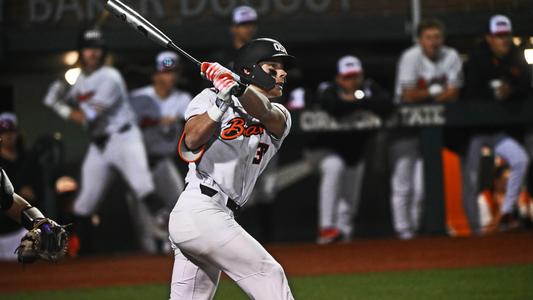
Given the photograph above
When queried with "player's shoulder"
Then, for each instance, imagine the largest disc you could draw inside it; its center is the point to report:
(412, 53)
(142, 91)
(109, 73)
(449, 52)
(206, 94)
(283, 109)
(181, 95)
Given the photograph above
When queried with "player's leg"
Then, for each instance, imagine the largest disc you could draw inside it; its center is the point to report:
(95, 176)
(168, 182)
(203, 228)
(418, 194)
(471, 171)
(192, 279)
(256, 272)
(349, 204)
(142, 221)
(516, 156)
(332, 168)
(126, 151)
(405, 154)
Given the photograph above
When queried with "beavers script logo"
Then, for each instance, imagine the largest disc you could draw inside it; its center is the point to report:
(237, 127)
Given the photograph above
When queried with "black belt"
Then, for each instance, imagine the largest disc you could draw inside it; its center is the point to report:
(211, 192)
(101, 140)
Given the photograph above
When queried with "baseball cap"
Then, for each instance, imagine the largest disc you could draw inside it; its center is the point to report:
(8, 122)
(244, 14)
(166, 61)
(500, 24)
(349, 65)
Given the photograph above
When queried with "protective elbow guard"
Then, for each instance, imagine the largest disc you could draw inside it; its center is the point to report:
(6, 191)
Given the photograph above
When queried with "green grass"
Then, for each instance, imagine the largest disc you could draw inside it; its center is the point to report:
(499, 283)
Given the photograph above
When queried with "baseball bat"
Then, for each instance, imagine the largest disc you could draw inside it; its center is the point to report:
(129, 16)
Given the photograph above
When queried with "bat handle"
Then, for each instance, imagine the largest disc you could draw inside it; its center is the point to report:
(238, 90)
(172, 46)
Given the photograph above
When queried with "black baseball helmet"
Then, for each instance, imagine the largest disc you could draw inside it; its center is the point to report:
(91, 38)
(252, 53)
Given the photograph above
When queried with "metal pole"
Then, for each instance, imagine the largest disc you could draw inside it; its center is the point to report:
(416, 12)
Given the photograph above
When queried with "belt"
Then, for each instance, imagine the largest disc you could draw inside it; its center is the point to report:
(101, 140)
(211, 192)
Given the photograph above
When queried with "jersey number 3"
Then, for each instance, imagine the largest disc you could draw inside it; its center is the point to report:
(259, 153)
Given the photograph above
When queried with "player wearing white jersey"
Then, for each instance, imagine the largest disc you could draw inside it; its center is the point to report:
(233, 138)
(98, 101)
(160, 110)
(427, 72)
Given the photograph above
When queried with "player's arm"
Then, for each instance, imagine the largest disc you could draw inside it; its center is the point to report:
(454, 75)
(451, 93)
(407, 74)
(260, 107)
(15, 206)
(106, 95)
(199, 130)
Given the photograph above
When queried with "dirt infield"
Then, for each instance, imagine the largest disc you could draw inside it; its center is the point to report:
(356, 257)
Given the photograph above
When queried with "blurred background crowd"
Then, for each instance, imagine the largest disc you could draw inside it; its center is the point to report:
(408, 118)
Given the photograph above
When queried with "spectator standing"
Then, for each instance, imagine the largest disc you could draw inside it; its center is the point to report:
(427, 72)
(496, 72)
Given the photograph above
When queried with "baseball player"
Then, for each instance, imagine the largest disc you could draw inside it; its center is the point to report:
(243, 29)
(427, 72)
(98, 100)
(14, 161)
(228, 141)
(496, 72)
(160, 110)
(342, 166)
(52, 237)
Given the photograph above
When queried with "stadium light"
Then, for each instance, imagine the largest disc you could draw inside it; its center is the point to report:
(70, 58)
(71, 75)
(517, 41)
(528, 54)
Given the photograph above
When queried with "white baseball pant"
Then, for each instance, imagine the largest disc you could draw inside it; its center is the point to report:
(126, 153)
(207, 240)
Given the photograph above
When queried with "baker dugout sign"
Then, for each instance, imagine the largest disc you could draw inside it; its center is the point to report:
(54, 11)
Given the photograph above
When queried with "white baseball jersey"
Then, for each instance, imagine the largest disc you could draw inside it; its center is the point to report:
(160, 140)
(416, 70)
(102, 96)
(237, 155)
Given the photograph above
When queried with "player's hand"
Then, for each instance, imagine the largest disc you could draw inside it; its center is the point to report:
(212, 70)
(503, 92)
(222, 78)
(47, 240)
(77, 116)
(165, 121)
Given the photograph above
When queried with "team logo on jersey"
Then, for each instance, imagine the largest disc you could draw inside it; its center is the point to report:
(237, 127)
(85, 96)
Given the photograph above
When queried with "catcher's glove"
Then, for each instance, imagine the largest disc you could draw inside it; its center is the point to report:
(47, 240)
